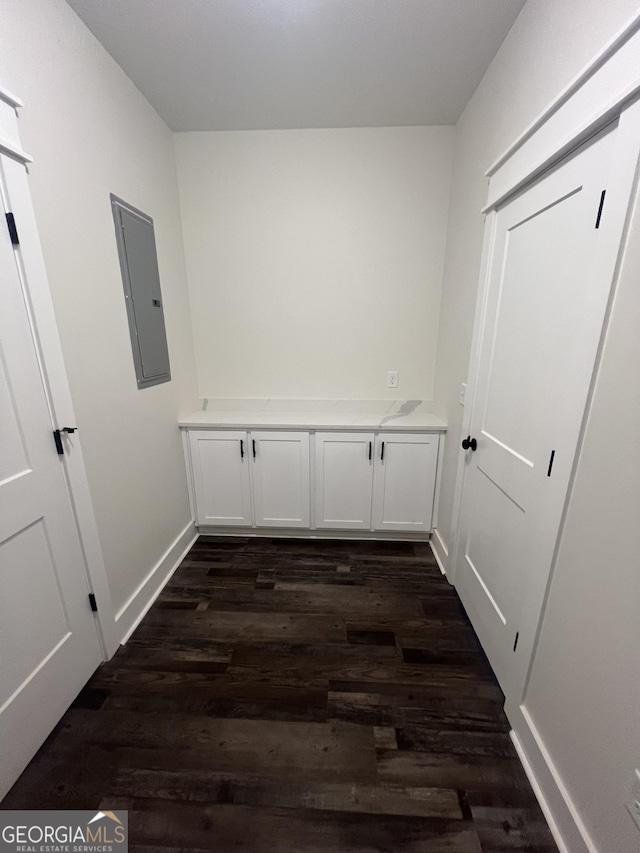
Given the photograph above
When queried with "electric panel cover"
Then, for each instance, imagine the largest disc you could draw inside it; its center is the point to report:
(139, 266)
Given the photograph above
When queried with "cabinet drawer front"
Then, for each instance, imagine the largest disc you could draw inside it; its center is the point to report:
(221, 477)
(344, 480)
(281, 478)
(404, 481)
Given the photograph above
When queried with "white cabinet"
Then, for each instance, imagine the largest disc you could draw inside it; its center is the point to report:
(373, 481)
(245, 479)
(221, 480)
(281, 479)
(344, 480)
(404, 481)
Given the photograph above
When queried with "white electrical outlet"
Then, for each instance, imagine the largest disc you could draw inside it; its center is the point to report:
(633, 804)
(463, 393)
(392, 379)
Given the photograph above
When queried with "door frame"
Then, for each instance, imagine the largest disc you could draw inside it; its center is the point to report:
(16, 196)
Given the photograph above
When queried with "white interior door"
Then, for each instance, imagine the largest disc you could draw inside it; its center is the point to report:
(220, 463)
(281, 479)
(49, 643)
(404, 481)
(544, 312)
(344, 480)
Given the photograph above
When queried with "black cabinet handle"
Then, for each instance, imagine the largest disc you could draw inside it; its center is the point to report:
(369, 451)
(241, 449)
(469, 443)
(253, 442)
(382, 452)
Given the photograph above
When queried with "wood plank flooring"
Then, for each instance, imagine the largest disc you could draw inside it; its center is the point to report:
(297, 695)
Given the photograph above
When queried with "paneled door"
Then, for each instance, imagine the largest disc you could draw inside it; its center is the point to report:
(344, 479)
(404, 480)
(543, 314)
(49, 643)
(221, 479)
(281, 478)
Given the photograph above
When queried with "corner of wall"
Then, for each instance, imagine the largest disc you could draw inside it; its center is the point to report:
(135, 609)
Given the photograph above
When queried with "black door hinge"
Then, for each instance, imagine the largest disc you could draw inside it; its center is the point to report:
(92, 602)
(600, 206)
(57, 437)
(553, 456)
(13, 231)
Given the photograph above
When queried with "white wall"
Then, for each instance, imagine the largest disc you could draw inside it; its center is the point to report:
(92, 133)
(315, 259)
(583, 695)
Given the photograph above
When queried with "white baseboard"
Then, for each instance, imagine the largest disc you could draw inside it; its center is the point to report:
(307, 533)
(440, 550)
(565, 823)
(129, 617)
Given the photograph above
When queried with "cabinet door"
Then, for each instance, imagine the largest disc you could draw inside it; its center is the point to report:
(220, 462)
(281, 478)
(344, 478)
(404, 481)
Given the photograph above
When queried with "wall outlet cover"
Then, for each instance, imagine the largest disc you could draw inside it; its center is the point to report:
(392, 379)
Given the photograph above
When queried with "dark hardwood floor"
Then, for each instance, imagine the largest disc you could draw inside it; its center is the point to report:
(297, 695)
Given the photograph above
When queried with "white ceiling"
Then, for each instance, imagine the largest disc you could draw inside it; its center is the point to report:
(263, 64)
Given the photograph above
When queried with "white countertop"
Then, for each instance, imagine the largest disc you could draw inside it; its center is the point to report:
(355, 421)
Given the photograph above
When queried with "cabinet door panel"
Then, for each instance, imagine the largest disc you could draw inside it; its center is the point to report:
(404, 482)
(221, 477)
(344, 479)
(281, 479)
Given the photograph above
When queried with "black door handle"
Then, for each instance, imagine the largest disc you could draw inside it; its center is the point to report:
(253, 442)
(469, 443)
(241, 449)
(369, 451)
(382, 452)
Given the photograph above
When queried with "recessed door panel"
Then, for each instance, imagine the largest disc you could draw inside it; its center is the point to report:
(530, 339)
(281, 478)
(497, 539)
(404, 481)
(221, 477)
(344, 480)
(13, 455)
(33, 618)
